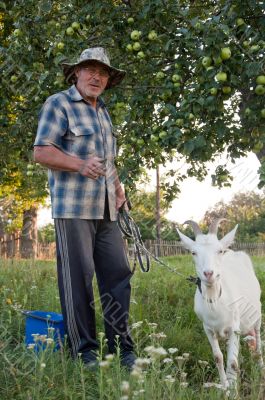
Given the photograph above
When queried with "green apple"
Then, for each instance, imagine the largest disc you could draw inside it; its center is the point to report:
(239, 22)
(140, 141)
(226, 89)
(176, 78)
(206, 62)
(247, 111)
(160, 75)
(162, 134)
(213, 91)
(60, 45)
(225, 53)
(260, 90)
(177, 84)
(217, 60)
(75, 25)
(30, 167)
(254, 48)
(177, 66)
(135, 35)
(246, 43)
(152, 35)
(129, 47)
(14, 78)
(130, 20)
(258, 146)
(179, 122)
(136, 46)
(29, 173)
(69, 31)
(260, 80)
(57, 25)
(154, 138)
(221, 76)
(140, 54)
(17, 32)
(262, 113)
(191, 116)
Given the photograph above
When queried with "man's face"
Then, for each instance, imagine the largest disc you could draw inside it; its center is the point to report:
(92, 78)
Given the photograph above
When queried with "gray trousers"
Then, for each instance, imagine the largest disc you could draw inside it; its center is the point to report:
(85, 247)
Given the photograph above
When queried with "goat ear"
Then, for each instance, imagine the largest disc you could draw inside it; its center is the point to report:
(228, 239)
(188, 243)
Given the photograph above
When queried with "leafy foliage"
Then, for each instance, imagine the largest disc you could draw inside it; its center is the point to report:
(184, 94)
(245, 209)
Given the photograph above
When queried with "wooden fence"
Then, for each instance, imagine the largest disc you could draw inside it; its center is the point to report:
(162, 248)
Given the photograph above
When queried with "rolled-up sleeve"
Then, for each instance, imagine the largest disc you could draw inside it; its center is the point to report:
(53, 124)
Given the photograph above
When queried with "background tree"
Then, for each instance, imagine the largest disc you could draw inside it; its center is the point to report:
(195, 80)
(245, 209)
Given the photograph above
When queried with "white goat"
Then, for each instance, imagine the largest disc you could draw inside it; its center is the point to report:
(227, 299)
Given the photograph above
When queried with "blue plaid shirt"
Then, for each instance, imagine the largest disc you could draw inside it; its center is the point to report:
(72, 125)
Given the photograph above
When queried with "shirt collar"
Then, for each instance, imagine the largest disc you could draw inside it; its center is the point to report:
(76, 96)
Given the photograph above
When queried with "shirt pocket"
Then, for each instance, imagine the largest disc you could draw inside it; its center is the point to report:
(83, 140)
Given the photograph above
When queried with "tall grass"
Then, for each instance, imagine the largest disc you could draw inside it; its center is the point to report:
(162, 316)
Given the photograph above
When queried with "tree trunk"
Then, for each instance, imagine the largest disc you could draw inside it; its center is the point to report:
(29, 235)
(158, 213)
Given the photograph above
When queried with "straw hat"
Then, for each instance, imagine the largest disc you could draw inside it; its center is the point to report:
(94, 54)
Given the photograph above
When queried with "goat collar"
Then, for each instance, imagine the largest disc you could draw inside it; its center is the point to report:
(199, 284)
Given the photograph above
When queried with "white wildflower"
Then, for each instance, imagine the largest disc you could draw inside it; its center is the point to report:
(124, 398)
(49, 341)
(186, 355)
(43, 365)
(31, 346)
(136, 372)
(104, 364)
(159, 335)
(158, 352)
(173, 350)
(136, 325)
(109, 357)
(208, 384)
(149, 349)
(184, 384)
(167, 360)
(142, 362)
(169, 379)
(203, 363)
(152, 324)
(125, 387)
(101, 334)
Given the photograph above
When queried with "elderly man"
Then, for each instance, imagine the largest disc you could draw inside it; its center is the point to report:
(75, 140)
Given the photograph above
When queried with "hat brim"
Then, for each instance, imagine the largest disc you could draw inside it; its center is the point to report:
(116, 75)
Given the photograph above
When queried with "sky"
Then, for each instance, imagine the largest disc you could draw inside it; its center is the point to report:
(197, 197)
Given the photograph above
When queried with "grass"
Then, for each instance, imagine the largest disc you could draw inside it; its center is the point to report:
(162, 316)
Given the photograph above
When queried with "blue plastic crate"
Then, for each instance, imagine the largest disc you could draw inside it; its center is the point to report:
(39, 322)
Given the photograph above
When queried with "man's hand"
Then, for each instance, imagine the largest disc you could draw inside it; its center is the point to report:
(93, 167)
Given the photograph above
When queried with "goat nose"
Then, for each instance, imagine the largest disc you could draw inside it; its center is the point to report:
(208, 274)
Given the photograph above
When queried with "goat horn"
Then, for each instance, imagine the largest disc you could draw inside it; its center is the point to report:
(214, 225)
(195, 227)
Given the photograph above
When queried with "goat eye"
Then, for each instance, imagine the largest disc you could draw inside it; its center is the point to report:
(193, 253)
(221, 251)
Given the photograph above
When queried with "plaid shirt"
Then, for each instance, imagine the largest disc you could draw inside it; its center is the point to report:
(72, 125)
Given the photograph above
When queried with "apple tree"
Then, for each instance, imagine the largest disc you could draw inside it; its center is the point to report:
(195, 81)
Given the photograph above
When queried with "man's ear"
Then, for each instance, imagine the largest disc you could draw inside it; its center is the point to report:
(76, 71)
